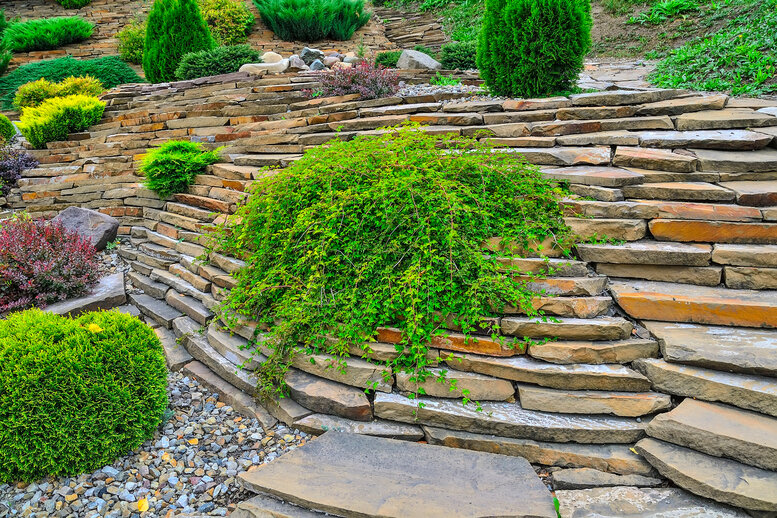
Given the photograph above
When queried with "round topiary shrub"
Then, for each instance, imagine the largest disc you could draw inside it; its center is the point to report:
(7, 129)
(230, 21)
(76, 393)
(533, 48)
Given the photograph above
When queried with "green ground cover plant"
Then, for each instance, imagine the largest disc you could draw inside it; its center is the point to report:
(384, 230)
(172, 167)
(230, 21)
(221, 60)
(132, 38)
(388, 58)
(459, 55)
(441, 80)
(73, 4)
(663, 11)
(54, 119)
(313, 20)
(34, 93)
(110, 70)
(46, 33)
(75, 394)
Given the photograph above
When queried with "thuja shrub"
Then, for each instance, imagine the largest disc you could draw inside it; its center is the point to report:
(533, 48)
(35, 93)
(73, 4)
(173, 29)
(55, 118)
(7, 130)
(132, 38)
(230, 21)
(370, 81)
(12, 163)
(459, 55)
(313, 20)
(46, 33)
(384, 230)
(172, 167)
(221, 60)
(389, 58)
(75, 394)
(41, 263)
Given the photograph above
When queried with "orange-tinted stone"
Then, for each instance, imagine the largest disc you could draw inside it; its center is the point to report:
(713, 231)
(703, 211)
(457, 342)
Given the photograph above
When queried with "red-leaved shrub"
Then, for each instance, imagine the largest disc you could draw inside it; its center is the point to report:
(366, 79)
(41, 263)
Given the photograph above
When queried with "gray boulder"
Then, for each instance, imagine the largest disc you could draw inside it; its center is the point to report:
(99, 228)
(414, 60)
(309, 55)
(317, 65)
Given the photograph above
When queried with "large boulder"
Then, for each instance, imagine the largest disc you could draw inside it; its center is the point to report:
(271, 57)
(262, 68)
(309, 55)
(414, 60)
(99, 228)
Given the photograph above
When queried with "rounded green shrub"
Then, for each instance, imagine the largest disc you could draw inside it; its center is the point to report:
(173, 29)
(533, 48)
(132, 38)
(388, 59)
(54, 119)
(34, 93)
(46, 33)
(221, 60)
(172, 167)
(459, 55)
(230, 21)
(76, 393)
(73, 4)
(7, 129)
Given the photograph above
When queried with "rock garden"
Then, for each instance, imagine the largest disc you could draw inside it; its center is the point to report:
(298, 258)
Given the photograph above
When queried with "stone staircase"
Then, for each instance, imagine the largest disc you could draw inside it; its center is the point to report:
(671, 295)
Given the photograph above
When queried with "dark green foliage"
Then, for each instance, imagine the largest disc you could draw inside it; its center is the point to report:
(533, 48)
(111, 71)
(388, 59)
(76, 393)
(7, 130)
(73, 4)
(172, 167)
(5, 59)
(173, 29)
(46, 33)
(313, 20)
(459, 55)
(221, 60)
(384, 230)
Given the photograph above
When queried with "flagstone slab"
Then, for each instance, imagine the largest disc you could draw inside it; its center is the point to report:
(743, 140)
(754, 193)
(586, 478)
(625, 404)
(593, 175)
(761, 160)
(452, 384)
(317, 424)
(713, 231)
(701, 211)
(621, 97)
(108, 294)
(728, 118)
(602, 328)
(600, 138)
(697, 275)
(690, 191)
(620, 229)
(683, 105)
(328, 397)
(745, 255)
(747, 277)
(563, 156)
(594, 352)
(656, 159)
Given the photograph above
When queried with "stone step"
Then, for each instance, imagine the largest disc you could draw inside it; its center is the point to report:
(317, 424)
(108, 294)
(328, 397)
(264, 160)
(625, 404)
(453, 384)
(713, 231)
(682, 105)
(563, 156)
(650, 300)
(654, 159)
(553, 375)
(157, 310)
(698, 276)
(620, 351)
(234, 348)
(263, 506)
(149, 287)
(586, 478)
(189, 306)
(735, 349)
(751, 278)
(610, 458)
(594, 175)
(176, 354)
(749, 391)
(618, 229)
(508, 420)
(233, 172)
(728, 118)
(754, 193)
(546, 266)
(647, 252)
(452, 341)
(740, 140)
(722, 480)
(745, 255)
(567, 286)
(721, 431)
(354, 372)
(687, 191)
(570, 307)
(762, 160)
(600, 328)
(624, 97)
(354, 476)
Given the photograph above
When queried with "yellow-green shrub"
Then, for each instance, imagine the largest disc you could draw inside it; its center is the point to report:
(55, 118)
(230, 21)
(35, 92)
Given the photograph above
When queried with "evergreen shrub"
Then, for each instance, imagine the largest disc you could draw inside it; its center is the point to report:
(313, 20)
(172, 167)
(533, 48)
(73, 4)
(388, 59)
(7, 130)
(46, 33)
(221, 60)
(77, 393)
(34, 93)
(132, 38)
(54, 119)
(459, 55)
(230, 21)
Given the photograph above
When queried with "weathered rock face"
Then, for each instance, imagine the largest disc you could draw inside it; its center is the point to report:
(95, 226)
(309, 55)
(413, 59)
(327, 396)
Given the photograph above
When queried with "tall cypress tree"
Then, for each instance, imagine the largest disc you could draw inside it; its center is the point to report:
(175, 28)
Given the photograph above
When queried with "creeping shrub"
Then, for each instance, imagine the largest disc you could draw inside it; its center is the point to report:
(221, 60)
(55, 118)
(230, 21)
(313, 20)
(46, 33)
(173, 29)
(73, 4)
(77, 393)
(370, 81)
(7, 130)
(110, 70)
(41, 263)
(459, 55)
(5, 58)
(12, 163)
(172, 167)
(132, 38)
(34, 93)
(533, 48)
(388, 59)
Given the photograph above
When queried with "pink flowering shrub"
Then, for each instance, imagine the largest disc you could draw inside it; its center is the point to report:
(366, 79)
(41, 263)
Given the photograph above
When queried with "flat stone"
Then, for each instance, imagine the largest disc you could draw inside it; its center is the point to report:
(608, 210)
(356, 475)
(603, 176)
(562, 376)
(656, 159)
(634, 502)
(611, 458)
(594, 352)
(647, 252)
(754, 193)
(567, 286)
(96, 227)
(439, 384)
(595, 112)
(721, 431)
(473, 106)
(602, 328)
(647, 300)
(697, 275)
(728, 118)
(745, 255)
(149, 287)
(585, 478)
(189, 306)
(620, 229)
(572, 307)
(713, 231)
(690, 191)
(507, 133)
(477, 344)
(723, 480)
(263, 506)
(349, 371)
(234, 348)
(758, 161)
(328, 397)
(317, 424)
(736, 349)
(625, 404)
(108, 294)
(155, 309)
(621, 97)
(175, 353)
(600, 138)
(265, 68)
(508, 420)
(546, 103)
(683, 105)
(562, 156)
(702, 211)
(746, 391)
(547, 266)
(741, 140)
(745, 277)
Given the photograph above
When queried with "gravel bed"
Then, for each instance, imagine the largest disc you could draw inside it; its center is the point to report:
(426, 89)
(190, 466)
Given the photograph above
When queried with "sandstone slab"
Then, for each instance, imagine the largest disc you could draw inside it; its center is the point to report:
(724, 119)
(586, 478)
(684, 105)
(745, 255)
(328, 397)
(656, 159)
(749, 278)
(762, 160)
(625, 404)
(620, 229)
(594, 352)
(601, 328)
(754, 193)
(263, 506)
(600, 138)
(317, 424)
(687, 191)
(713, 231)
(349, 371)
(593, 175)
(742, 140)
(109, 293)
(452, 384)
(647, 252)
(155, 309)
(699, 276)
(563, 156)
(623, 97)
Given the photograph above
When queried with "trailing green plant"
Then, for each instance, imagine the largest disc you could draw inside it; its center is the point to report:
(385, 230)
(230, 21)
(313, 20)
(533, 48)
(441, 80)
(388, 58)
(73, 4)
(172, 167)
(132, 38)
(75, 394)
(7, 130)
(173, 29)
(459, 55)
(34, 93)
(221, 60)
(46, 33)
(55, 118)
(110, 70)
